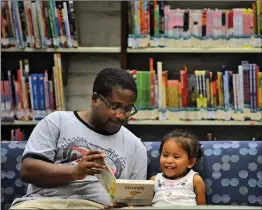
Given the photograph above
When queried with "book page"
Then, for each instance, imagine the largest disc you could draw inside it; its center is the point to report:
(107, 179)
(132, 192)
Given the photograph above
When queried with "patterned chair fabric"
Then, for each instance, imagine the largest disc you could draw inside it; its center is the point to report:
(12, 187)
(231, 170)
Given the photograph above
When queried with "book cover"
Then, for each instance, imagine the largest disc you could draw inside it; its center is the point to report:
(131, 192)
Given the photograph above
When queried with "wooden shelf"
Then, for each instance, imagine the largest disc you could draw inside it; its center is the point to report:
(20, 123)
(197, 122)
(140, 50)
(195, 50)
(66, 50)
(165, 122)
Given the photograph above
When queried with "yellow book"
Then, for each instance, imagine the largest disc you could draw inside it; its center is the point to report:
(61, 87)
(56, 83)
(211, 94)
(131, 192)
(173, 94)
(220, 89)
(164, 89)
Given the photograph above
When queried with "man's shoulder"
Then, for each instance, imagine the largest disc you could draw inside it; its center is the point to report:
(57, 115)
(131, 138)
(129, 135)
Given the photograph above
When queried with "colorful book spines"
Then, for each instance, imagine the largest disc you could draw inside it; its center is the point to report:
(34, 94)
(167, 25)
(17, 135)
(38, 24)
(224, 90)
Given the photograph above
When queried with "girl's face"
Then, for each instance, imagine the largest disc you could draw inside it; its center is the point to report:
(174, 160)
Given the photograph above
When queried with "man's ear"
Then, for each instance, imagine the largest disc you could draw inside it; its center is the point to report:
(94, 99)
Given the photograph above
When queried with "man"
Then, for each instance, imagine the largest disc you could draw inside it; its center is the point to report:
(58, 161)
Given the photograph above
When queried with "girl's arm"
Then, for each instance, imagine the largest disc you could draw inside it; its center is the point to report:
(200, 190)
(153, 178)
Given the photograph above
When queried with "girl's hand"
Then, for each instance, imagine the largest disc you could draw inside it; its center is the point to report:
(116, 205)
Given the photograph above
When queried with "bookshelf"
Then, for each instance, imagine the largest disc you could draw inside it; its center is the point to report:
(19, 123)
(195, 123)
(66, 50)
(195, 50)
(140, 49)
(41, 59)
(138, 58)
(145, 50)
(164, 122)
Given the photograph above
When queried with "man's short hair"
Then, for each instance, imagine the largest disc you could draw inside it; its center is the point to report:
(110, 78)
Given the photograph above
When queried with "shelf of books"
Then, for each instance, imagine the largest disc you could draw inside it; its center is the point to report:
(27, 96)
(38, 24)
(160, 28)
(199, 97)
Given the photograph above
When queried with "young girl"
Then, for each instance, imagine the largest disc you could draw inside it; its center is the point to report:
(179, 184)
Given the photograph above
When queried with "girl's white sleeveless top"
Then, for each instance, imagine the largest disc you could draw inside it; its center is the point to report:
(174, 192)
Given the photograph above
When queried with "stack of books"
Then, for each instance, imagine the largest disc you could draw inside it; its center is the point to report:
(38, 24)
(156, 24)
(28, 96)
(202, 95)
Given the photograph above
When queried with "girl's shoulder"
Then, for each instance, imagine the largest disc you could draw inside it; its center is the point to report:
(197, 179)
(192, 173)
(157, 176)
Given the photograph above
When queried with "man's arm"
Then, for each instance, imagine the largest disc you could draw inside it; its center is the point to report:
(140, 167)
(200, 190)
(44, 174)
(38, 166)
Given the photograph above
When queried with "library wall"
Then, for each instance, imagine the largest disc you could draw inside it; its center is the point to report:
(99, 25)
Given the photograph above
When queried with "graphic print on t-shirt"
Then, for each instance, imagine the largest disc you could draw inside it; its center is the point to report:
(73, 149)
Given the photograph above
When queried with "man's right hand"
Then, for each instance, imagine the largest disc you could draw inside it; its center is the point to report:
(88, 166)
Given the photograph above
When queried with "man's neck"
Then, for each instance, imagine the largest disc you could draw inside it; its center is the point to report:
(86, 116)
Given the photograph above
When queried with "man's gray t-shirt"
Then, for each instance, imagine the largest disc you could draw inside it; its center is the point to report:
(63, 138)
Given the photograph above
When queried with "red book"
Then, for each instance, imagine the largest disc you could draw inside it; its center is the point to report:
(152, 88)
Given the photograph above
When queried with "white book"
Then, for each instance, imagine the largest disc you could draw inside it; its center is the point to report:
(160, 95)
(131, 192)
(238, 87)
(241, 88)
(66, 21)
(235, 91)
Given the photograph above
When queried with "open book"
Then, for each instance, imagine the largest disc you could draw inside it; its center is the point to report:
(131, 192)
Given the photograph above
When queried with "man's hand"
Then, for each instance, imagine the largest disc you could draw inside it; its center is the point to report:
(88, 166)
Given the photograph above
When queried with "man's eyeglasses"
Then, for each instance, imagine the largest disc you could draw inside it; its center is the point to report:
(118, 108)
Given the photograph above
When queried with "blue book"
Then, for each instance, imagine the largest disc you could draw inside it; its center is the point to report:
(35, 92)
